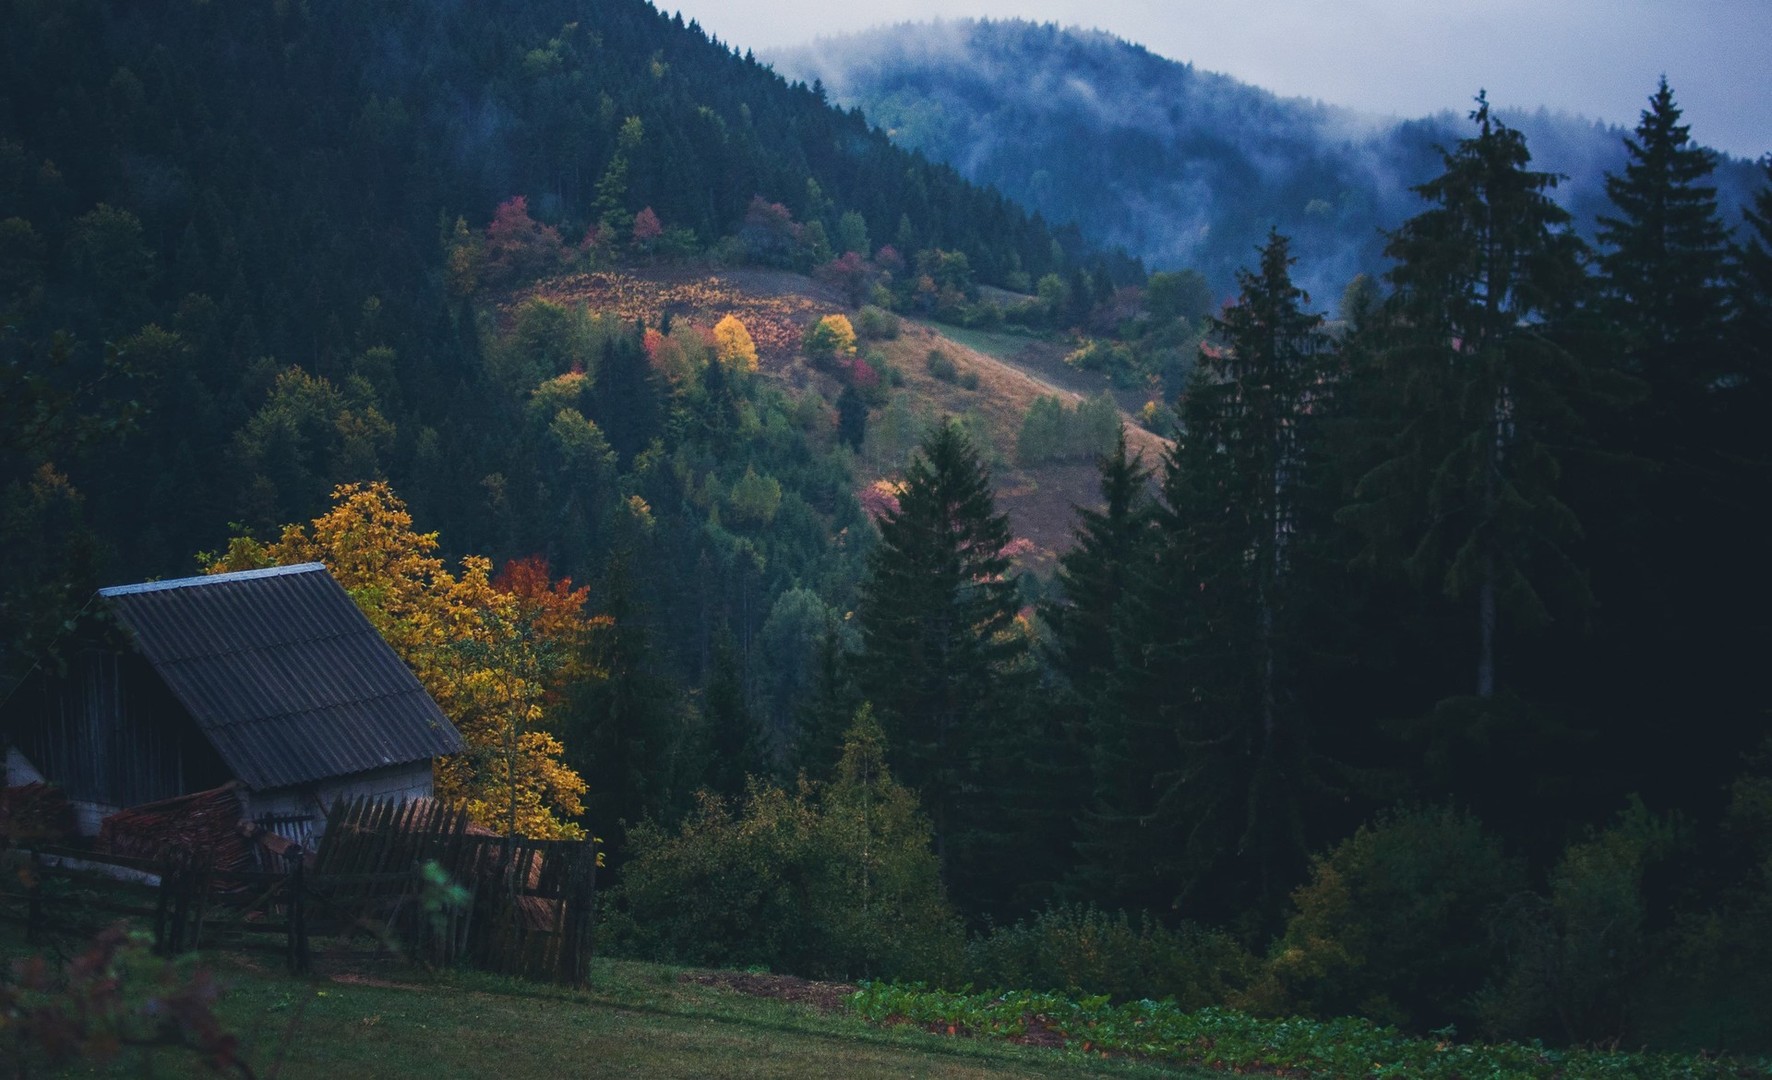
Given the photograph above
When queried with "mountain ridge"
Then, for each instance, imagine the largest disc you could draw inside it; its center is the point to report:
(1178, 165)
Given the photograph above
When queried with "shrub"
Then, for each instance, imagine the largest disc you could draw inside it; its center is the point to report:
(1718, 993)
(983, 315)
(877, 323)
(1578, 956)
(1097, 427)
(1156, 417)
(1391, 923)
(834, 880)
(1111, 358)
(114, 995)
(942, 366)
(1084, 949)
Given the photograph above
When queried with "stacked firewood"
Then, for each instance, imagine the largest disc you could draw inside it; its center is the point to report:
(205, 824)
(35, 813)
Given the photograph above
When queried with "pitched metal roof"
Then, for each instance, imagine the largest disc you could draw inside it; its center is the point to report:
(284, 674)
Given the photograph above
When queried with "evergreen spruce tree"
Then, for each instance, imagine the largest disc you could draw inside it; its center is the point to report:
(737, 750)
(1473, 392)
(1092, 577)
(1751, 379)
(1664, 258)
(852, 418)
(1212, 649)
(829, 708)
(1473, 395)
(618, 735)
(627, 402)
(1094, 574)
(1680, 569)
(942, 663)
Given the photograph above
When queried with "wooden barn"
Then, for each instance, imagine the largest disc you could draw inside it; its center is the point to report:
(269, 681)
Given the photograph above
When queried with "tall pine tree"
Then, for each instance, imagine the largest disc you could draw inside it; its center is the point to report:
(1470, 391)
(1682, 619)
(1213, 648)
(1474, 392)
(943, 663)
(1751, 379)
(1093, 578)
(1664, 257)
(1094, 574)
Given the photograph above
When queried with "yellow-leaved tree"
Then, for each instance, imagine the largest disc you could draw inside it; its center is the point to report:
(493, 654)
(829, 339)
(733, 345)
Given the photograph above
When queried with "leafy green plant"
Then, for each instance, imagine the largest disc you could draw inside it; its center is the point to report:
(1234, 1042)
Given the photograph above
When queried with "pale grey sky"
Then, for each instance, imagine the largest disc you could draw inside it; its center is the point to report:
(1595, 58)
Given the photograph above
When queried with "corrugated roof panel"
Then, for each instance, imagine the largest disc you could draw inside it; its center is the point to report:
(284, 674)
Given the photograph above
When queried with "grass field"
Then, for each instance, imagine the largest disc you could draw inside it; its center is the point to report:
(640, 1020)
(1001, 345)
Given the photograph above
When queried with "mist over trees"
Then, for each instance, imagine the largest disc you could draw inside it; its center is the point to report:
(1179, 166)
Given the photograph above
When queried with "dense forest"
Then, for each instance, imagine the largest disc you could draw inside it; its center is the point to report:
(1420, 678)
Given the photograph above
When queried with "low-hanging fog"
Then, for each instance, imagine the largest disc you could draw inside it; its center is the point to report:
(1179, 166)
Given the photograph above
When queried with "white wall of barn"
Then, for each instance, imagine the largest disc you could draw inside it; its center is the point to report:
(299, 812)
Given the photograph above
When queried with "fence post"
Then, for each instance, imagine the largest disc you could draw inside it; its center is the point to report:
(298, 924)
(35, 894)
(173, 903)
(200, 886)
(584, 930)
(181, 900)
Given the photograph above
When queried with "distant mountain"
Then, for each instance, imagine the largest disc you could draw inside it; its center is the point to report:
(1179, 166)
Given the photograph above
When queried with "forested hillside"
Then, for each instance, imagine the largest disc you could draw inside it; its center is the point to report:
(1416, 672)
(273, 186)
(1182, 167)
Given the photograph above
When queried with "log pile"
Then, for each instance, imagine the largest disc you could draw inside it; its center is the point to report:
(204, 823)
(35, 813)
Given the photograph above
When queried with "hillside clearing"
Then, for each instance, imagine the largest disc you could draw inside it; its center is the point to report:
(1011, 370)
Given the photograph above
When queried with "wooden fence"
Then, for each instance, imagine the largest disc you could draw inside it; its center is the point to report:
(382, 882)
(530, 903)
(187, 901)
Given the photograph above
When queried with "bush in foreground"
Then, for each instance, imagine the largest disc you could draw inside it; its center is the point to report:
(834, 880)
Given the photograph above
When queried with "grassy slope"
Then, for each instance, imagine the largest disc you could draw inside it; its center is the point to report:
(1039, 500)
(1012, 371)
(637, 1020)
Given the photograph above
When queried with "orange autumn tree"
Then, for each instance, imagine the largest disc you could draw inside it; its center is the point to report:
(493, 654)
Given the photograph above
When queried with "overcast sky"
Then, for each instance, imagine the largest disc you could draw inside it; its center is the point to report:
(1595, 58)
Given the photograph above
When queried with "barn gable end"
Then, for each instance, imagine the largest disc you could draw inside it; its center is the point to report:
(270, 677)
